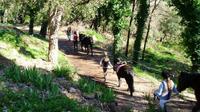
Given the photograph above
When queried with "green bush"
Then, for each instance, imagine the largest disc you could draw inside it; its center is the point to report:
(89, 87)
(65, 71)
(31, 101)
(33, 76)
(11, 37)
(92, 33)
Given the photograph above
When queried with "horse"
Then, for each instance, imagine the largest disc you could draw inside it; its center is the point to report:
(192, 80)
(123, 70)
(87, 43)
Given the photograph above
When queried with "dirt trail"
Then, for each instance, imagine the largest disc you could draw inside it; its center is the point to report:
(89, 66)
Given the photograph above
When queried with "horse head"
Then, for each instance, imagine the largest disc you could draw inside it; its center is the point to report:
(183, 81)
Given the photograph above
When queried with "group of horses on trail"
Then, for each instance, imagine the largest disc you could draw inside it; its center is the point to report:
(185, 80)
(86, 43)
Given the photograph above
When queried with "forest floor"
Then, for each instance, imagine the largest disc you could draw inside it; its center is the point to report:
(88, 66)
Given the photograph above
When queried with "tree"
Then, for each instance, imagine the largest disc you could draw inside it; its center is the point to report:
(54, 24)
(156, 3)
(115, 12)
(170, 28)
(129, 28)
(141, 19)
(32, 7)
(191, 34)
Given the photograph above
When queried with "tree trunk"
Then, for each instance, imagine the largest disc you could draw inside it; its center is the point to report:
(54, 24)
(44, 26)
(146, 37)
(149, 26)
(129, 28)
(31, 22)
(5, 18)
(141, 19)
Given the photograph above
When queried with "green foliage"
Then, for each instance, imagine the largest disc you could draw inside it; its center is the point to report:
(89, 87)
(115, 12)
(10, 37)
(151, 104)
(32, 101)
(171, 28)
(141, 18)
(1, 66)
(64, 71)
(29, 46)
(191, 34)
(93, 33)
(33, 76)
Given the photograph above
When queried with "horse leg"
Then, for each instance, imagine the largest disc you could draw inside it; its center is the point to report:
(119, 81)
(91, 48)
(129, 82)
(74, 46)
(196, 108)
(87, 50)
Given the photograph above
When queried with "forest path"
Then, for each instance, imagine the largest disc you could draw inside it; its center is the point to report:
(88, 65)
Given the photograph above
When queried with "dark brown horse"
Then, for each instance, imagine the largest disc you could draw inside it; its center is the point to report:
(86, 43)
(124, 71)
(192, 80)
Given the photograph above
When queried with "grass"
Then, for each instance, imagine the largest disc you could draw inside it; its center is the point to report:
(30, 100)
(64, 71)
(158, 58)
(151, 103)
(91, 87)
(33, 99)
(32, 76)
(25, 46)
(97, 36)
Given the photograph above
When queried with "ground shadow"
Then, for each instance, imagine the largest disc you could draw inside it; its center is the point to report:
(4, 62)
(67, 47)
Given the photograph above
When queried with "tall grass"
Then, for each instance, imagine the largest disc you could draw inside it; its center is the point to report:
(64, 71)
(30, 100)
(33, 76)
(88, 86)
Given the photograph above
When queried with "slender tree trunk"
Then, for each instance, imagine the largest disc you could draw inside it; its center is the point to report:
(44, 26)
(31, 22)
(141, 19)
(54, 24)
(5, 18)
(129, 28)
(146, 37)
(149, 26)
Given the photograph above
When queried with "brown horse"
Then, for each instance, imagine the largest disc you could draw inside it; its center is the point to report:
(87, 43)
(124, 71)
(192, 80)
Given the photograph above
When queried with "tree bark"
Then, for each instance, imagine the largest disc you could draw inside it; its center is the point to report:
(129, 28)
(5, 19)
(44, 27)
(149, 26)
(31, 22)
(54, 24)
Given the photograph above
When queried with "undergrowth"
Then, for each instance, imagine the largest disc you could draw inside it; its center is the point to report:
(91, 87)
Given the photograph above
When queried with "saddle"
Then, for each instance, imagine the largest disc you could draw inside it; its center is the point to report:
(118, 66)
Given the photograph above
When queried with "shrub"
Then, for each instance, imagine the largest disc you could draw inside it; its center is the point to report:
(30, 100)
(65, 71)
(89, 86)
(33, 76)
